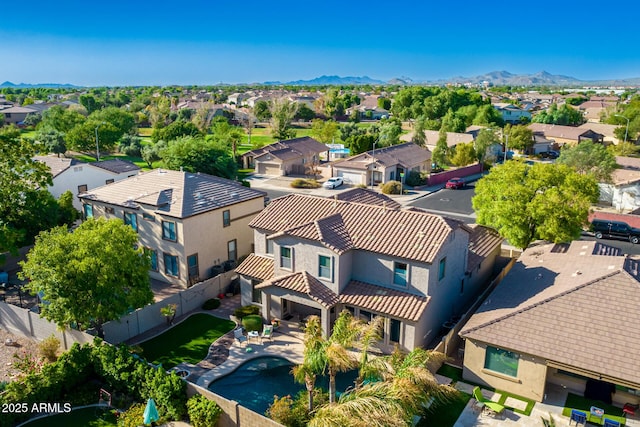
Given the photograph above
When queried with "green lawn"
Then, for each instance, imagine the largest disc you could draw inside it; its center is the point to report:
(91, 417)
(451, 372)
(135, 160)
(445, 414)
(583, 404)
(188, 341)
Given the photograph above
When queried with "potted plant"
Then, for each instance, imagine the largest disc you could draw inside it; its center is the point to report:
(275, 323)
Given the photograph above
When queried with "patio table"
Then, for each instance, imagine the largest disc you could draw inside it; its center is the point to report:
(254, 335)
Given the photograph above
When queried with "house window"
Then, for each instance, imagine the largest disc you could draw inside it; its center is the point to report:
(109, 181)
(148, 217)
(88, 211)
(232, 250)
(226, 218)
(350, 309)
(192, 265)
(154, 258)
(442, 268)
(394, 330)
(171, 265)
(400, 273)
(257, 293)
(501, 361)
(285, 257)
(82, 188)
(131, 219)
(109, 210)
(269, 246)
(366, 315)
(324, 263)
(169, 230)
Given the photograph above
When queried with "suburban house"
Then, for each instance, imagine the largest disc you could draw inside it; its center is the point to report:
(289, 157)
(562, 135)
(453, 138)
(15, 115)
(512, 113)
(606, 130)
(316, 255)
(623, 192)
(188, 222)
(564, 315)
(383, 164)
(79, 177)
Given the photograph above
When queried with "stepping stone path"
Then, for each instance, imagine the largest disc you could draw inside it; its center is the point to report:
(512, 402)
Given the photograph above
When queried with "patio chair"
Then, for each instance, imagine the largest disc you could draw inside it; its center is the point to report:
(267, 332)
(608, 422)
(493, 407)
(579, 417)
(630, 409)
(239, 336)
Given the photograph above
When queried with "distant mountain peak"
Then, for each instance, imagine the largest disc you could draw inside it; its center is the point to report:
(325, 80)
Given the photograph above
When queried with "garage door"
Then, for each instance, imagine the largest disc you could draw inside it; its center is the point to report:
(351, 178)
(269, 169)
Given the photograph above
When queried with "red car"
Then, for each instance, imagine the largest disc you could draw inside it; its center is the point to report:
(455, 183)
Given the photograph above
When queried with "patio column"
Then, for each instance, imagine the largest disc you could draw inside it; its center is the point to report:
(266, 307)
(325, 320)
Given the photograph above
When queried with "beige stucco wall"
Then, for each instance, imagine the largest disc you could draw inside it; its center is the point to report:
(530, 382)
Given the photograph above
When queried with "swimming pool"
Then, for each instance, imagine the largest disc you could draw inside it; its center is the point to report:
(256, 381)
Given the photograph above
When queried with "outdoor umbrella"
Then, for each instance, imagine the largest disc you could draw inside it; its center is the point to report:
(150, 412)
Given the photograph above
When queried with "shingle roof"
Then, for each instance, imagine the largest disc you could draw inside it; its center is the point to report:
(304, 283)
(382, 300)
(173, 193)
(575, 308)
(560, 131)
(57, 165)
(400, 233)
(256, 266)
(369, 197)
(407, 155)
(453, 138)
(116, 166)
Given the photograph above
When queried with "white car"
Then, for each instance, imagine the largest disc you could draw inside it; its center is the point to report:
(333, 182)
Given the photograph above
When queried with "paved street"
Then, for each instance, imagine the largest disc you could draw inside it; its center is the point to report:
(456, 203)
(626, 246)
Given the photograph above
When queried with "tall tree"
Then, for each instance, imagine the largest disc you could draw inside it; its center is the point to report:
(90, 276)
(61, 119)
(518, 137)
(83, 137)
(485, 139)
(282, 113)
(52, 140)
(226, 135)
(325, 131)
(194, 154)
(464, 154)
(589, 158)
(313, 361)
(440, 151)
(543, 201)
(419, 136)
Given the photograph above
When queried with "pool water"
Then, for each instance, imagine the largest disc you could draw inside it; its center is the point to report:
(255, 382)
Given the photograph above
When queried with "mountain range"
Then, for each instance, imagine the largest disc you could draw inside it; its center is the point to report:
(496, 78)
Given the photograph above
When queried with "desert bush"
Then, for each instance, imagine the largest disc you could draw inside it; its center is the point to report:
(304, 183)
(252, 322)
(391, 187)
(241, 312)
(202, 411)
(211, 304)
(49, 348)
(415, 179)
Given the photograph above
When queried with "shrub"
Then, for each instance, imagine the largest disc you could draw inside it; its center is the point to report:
(132, 417)
(252, 322)
(49, 348)
(415, 179)
(304, 183)
(202, 411)
(391, 187)
(241, 312)
(211, 304)
(361, 186)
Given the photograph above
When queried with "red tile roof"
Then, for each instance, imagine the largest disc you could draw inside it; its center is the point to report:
(256, 266)
(304, 283)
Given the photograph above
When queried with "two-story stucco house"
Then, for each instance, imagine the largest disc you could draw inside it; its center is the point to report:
(188, 222)
(316, 255)
(79, 177)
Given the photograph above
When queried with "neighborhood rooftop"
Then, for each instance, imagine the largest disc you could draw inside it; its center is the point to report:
(404, 154)
(116, 166)
(173, 193)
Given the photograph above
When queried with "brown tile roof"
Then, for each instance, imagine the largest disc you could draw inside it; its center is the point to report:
(407, 155)
(386, 301)
(173, 193)
(368, 197)
(400, 233)
(575, 308)
(304, 283)
(482, 242)
(559, 131)
(256, 266)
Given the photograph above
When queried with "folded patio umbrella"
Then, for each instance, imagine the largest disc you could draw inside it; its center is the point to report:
(150, 412)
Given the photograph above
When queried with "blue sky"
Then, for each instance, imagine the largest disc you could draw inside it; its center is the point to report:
(235, 41)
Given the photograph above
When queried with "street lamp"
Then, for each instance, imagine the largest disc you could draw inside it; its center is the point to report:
(373, 164)
(97, 144)
(506, 145)
(627, 129)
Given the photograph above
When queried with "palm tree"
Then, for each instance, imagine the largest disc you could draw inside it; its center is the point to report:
(368, 334)
(336, 349)
(314, 360)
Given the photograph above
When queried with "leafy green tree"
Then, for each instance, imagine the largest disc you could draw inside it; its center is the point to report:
(519, 137)
(89, 102)
(151, 153)
(90, 276)
(389, 134)
(360, 143)
(61, 119)
(624, 149)
(83, 137)
(486, 115)
(485, 139)
(440, 151)
(130, 145)
(158, 111)
(261, 111)
(32, 119)
(226, 135)
(384, 103)
(589, 158)
(67, 214)
(543, 201)
(122, 120)
(419, 136)
(194, 154)
(562, 115)
(325, 131)
(175, 130)
(464, 154)
(52, 140)
(282, 113)
(452, 122)
(350, 129)
(305, 113)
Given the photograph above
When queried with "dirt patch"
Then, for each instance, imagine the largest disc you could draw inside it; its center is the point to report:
(22, 345)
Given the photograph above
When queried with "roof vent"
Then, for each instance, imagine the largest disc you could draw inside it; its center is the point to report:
(161, 172)
(577, 273)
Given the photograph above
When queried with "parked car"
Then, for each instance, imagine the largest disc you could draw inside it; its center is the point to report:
(549, 154)
(603, 228)
(455, 183)
(334, 182)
